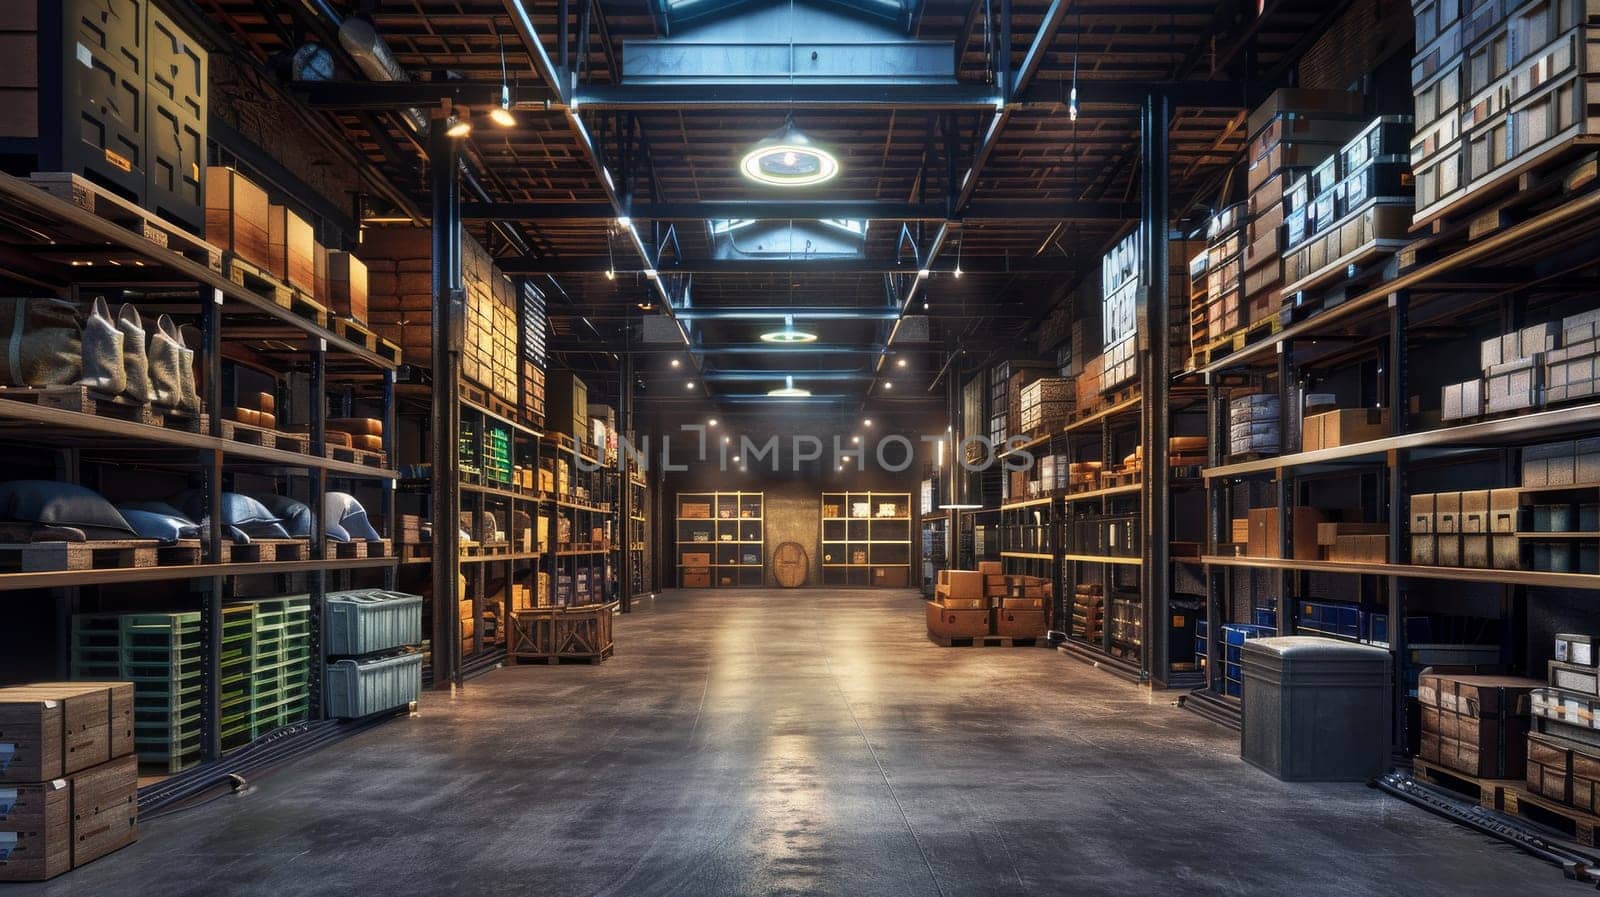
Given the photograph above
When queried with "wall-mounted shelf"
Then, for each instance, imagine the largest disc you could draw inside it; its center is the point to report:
(714, 562)
(866, 539)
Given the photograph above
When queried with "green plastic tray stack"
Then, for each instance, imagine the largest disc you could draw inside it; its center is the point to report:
(161, 655)
(497, 453)
(266, 667)
(265, 682)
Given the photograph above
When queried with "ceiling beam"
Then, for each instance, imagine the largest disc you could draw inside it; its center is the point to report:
(393, 95)
(1179, 94)
(785, 95)
(970, 264)
(779, 313)
(802, 209)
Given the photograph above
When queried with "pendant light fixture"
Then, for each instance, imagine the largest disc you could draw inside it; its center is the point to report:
(459, 124)
(789, 390)
(1072, 98)
(788, 334)
(501, 114)
(788, 158)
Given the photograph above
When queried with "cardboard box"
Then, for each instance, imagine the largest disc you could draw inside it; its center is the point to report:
(66, 822)
(347, 285)
(1329, 533)
(960, 584)
(1015, 622)
(1474, 511)
(695, 579)
(1422, 513)
(1265, 534)
(1425, 550)
(1475, 551)
(1349, 426)
(292, 248)
(236, 216)
(950, 623)
(695, 559)
(1447, 512)
(1550, 464)
(1505, 510)
(1549, 767)
(1240, 531)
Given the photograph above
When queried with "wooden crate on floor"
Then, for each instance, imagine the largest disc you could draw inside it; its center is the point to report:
(555, 634)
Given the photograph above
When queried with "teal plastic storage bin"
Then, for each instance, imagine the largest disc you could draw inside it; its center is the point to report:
(357, 688)
(367, 621)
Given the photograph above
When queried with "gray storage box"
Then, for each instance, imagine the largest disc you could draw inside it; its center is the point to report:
(366, 621)
(357, 688)
(1315, 709)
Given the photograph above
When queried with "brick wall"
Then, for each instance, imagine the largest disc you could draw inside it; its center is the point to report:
(1370, 32)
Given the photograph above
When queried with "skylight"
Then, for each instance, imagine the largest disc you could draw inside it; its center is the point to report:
(893, 10)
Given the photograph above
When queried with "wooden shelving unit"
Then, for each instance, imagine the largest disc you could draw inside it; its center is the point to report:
(866, 539)
(727, 530)
(246, 343)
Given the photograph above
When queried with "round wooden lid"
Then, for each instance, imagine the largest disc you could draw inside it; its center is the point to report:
(790, 565)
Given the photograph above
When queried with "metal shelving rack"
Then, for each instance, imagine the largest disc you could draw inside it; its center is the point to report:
(1438, 285)
(1031, 526)
(882, 543)
(637, 527)
(68, 249)
(739, 559)
(580, 569)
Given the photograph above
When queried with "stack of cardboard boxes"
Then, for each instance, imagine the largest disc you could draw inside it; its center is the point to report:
(1564, 748)
(1473, 528)
(69, 782)
(1527, 368)
(972, 604)
(1477, 725)
(1354, 206)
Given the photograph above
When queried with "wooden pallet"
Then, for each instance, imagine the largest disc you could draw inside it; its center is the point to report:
(1234, 341)
(356, 456)
(261, 551)
(485, 549)
(985, 641)
(356, 549)
(486, 398)
(415, 553)
(114, 554)
(83, 401)
(1300, 305)
(354, 331)
(102, 203)
(251, 276)
(264, 437)
(1560, 172)
(1490, 793)
(1571, 821)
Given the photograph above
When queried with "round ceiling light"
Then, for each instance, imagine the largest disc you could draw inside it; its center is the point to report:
(788, 158)
(788, 334)
(789, 390)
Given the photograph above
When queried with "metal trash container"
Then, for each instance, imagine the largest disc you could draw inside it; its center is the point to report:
(1315, 709)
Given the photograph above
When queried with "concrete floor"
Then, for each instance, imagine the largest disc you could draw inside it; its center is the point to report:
(765, 743)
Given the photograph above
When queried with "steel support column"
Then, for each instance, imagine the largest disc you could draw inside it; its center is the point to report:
(212, 486)
(1397, 399)
(624, 535)
(449, 314)
(1154, 321)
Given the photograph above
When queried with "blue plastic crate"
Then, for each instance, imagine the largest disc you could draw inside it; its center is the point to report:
(1328, 618)
(1233, 689)
(1419, 630)
(1266, 616)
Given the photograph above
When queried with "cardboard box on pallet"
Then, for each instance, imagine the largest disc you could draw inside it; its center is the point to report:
(291, 245)
(236, 216)
(1478, 724)
(1265, 533)
(65, 822)
(346, 285)
(949, 622)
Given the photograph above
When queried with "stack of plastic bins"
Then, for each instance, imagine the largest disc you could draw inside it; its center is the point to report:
(374, 664)
(161, 655)
(238, 667)
(1234, 636)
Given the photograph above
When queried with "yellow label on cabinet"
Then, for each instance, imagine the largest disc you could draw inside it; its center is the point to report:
(119, 161)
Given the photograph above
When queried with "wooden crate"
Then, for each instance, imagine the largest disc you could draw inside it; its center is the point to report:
(555, 634)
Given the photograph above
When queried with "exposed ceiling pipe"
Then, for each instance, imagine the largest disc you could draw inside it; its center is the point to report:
(371, 54)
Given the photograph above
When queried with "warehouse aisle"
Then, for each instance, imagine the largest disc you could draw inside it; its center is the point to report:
(805, 743)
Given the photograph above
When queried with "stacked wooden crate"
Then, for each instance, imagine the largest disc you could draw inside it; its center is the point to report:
(399, 302)
(400, 289)
(1360, 206)
(1218, 315)
(1499, 87)
(489, 349)
(69, 783)
(1289, 133)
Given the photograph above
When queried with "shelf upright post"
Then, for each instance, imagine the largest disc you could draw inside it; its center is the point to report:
(624, 504)
(318, 408)
(1218, 581)
(1285, 481)
(449, 313)
(1155, 414)
(211, 488)
(1399, 461)
(391, 507)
